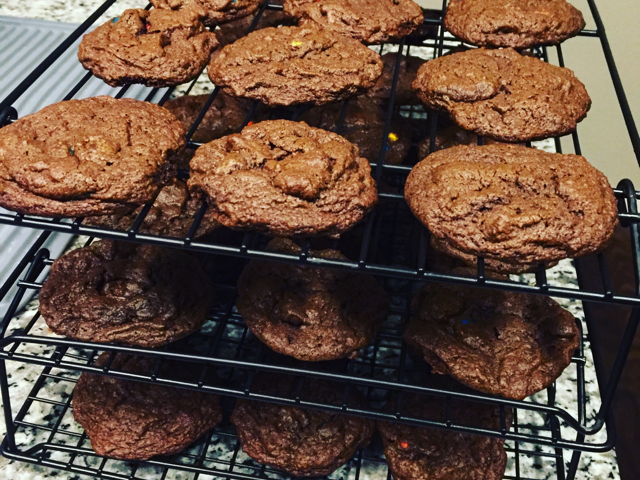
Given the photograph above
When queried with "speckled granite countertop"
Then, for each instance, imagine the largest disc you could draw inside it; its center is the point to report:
(22, 376)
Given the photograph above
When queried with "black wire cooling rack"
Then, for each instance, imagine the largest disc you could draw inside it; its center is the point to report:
(390, 244)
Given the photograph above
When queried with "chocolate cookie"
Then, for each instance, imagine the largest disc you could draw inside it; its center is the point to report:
(505, 23)
(122, 292)
(302, 441)
(87, 157)
(230, 32)
(513, 204)
(212, 12)
(172, 214)
(291, 65)
(225, 116)
(158, 48)
(498, 342)
(504, 95)
(364, 125)
(284, 178)
(369, 21)
(405, 95)
(428, 453)
(310, 313)
(133, 420)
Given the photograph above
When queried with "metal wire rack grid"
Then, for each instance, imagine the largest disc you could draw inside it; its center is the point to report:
(385, 368)
(424, 122)
(416, 269)
(45, 422)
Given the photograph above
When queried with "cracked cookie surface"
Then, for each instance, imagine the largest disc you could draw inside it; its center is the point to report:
(504, 95)
(158, 48)
(284, 178)
(133, 420)
(121, 292)
(310, 313)
(368, 21)
(292, 65)
(498, 342)
(302, 441)
(514, 204)
(93, 156)
(212, 12)
(414, 452)
(505, 23)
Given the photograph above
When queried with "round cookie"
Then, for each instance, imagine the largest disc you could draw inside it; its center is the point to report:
(94, 156)
(121, 292)
(414, 452)
(292, 65)
(368, 21)
(301, 441)
(409, 66)
(307, 312)
(504, 95)
(212, 12)
(284, 178)
(364, 126)
(225, 116)
(498, 342)
(172, 214)
(505, 23)
(133, 420)
(513, 204)
(158, 48)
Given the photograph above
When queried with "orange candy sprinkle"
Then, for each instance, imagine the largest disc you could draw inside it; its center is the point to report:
(404, 445)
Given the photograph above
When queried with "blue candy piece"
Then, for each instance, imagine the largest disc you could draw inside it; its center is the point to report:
(388, 148)
(115, 19)
(467, 320)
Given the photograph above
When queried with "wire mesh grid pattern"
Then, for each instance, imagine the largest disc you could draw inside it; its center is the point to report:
(389, 243)
(382, 370)
(45, 421)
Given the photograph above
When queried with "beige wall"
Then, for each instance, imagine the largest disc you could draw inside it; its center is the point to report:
(603, 135)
